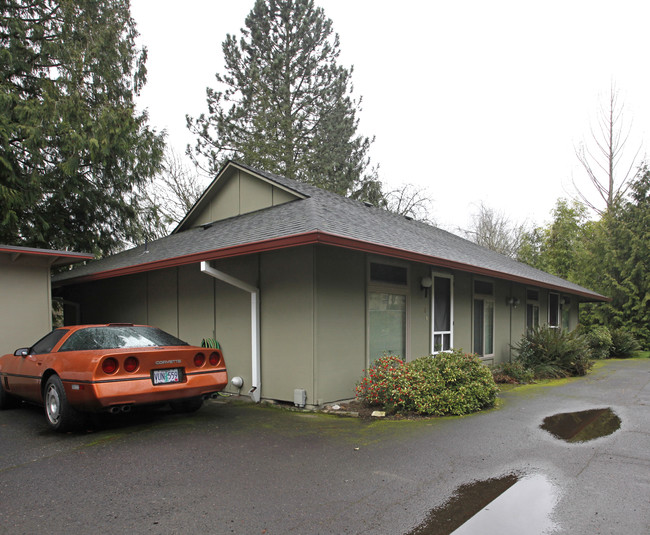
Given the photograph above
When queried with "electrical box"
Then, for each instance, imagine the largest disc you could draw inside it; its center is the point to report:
(299, 397)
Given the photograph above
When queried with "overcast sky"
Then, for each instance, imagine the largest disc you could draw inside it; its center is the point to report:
(474, 100)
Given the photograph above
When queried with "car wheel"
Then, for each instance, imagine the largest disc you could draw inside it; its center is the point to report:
(60, 415)
(7, 401)
(187, 405)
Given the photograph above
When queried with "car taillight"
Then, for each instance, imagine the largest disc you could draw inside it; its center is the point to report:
(214, 358)
(199, 360)
(110, 365)
(131, 364)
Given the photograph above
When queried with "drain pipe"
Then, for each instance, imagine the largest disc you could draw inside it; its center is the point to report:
(255, 391)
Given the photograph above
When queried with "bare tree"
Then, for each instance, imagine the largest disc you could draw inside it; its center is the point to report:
(493, 230)
(608, 168)
(173, 192)
(411, 201)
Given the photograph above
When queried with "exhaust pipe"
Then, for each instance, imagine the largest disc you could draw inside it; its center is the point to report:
(116, 409)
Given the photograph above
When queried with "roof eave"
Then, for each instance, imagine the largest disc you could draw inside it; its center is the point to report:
(54, 257)
(323, 238)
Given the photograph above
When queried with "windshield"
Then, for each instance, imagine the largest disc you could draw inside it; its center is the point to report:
(116, 337)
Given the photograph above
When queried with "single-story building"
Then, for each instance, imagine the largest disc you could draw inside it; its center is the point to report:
(304, 288)
(25, 293)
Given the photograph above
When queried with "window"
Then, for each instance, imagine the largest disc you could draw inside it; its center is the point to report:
(442, 313)
(532, 309)
(483, 318)
(553, 310)
(388, 274)
(47, 343)
(387, 325)
(565, 312)
(483, 287)
(387, 310)
(483, 327)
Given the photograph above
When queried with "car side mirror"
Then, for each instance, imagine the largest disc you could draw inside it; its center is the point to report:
(22, 352)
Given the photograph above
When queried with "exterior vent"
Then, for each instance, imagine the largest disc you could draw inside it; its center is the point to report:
(300, 397)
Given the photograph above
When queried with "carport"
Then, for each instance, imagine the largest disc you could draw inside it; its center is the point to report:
(26, 312)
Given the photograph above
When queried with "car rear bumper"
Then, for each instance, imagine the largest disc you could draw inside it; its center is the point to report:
(99, 396)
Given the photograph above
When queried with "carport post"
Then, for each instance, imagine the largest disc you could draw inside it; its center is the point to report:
(256, 388)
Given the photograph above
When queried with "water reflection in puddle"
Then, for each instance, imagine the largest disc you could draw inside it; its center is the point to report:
(507, 505)
(582, 426)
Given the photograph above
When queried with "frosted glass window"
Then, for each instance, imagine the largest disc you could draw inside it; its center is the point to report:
(387, 325)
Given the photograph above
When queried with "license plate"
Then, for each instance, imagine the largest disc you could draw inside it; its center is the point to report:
(163, 377)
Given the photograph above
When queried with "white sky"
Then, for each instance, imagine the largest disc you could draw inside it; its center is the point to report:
(475, 100)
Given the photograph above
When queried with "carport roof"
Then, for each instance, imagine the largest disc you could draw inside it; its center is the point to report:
(318, 217)
(53, 257)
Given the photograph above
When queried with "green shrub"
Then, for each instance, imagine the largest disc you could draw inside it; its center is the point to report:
(448, 383)
(553, 352)
(624, 344)
(512, 372)
(600, 341)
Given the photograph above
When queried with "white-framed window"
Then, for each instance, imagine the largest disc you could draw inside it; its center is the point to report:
(387, 307)
(442, 312)
(483, 318)
(532, 309)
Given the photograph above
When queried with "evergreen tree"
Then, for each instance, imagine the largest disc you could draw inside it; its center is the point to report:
(558, 247)
(73, 149)
(286, 105)
(619, 263)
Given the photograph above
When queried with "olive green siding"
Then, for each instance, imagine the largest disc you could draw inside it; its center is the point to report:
(313, 314)
(419, 319)
(238, 193)
(287, 285)
(26, 314)
(340, 335)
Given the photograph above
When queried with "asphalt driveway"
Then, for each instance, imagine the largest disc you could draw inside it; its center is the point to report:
(241, 468)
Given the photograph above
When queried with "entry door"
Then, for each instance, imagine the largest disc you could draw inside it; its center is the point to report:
(387, 325)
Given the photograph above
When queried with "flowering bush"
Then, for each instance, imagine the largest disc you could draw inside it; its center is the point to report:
(448, 383)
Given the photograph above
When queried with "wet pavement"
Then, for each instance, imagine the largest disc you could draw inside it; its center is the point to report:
(239, 468)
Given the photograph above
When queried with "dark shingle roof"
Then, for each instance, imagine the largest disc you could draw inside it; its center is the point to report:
(324, 214)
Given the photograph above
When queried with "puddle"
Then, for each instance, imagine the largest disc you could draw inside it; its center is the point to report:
(511, 504)
(582, 426)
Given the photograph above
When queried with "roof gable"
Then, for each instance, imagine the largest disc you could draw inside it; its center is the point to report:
(237, 190)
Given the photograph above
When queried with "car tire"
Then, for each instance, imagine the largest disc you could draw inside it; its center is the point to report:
(7, 401)
(61, 416)
(187, 405)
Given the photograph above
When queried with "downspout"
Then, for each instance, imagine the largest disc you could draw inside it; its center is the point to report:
(256, 388)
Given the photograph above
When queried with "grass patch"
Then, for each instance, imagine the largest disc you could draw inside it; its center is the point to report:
(642, 355)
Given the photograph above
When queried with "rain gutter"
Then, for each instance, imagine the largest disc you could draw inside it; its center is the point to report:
(256, 378)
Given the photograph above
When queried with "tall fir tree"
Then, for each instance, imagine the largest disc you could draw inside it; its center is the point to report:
(619, 263)
(73, 148)
(285, 105)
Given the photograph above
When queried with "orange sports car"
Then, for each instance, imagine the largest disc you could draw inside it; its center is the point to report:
(82, 369)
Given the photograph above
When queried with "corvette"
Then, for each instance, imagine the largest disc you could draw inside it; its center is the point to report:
(82, 369)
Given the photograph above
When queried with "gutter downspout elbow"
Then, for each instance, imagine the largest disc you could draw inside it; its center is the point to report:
(256, 378)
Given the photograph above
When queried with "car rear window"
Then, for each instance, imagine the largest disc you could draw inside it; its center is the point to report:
(116, 337)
